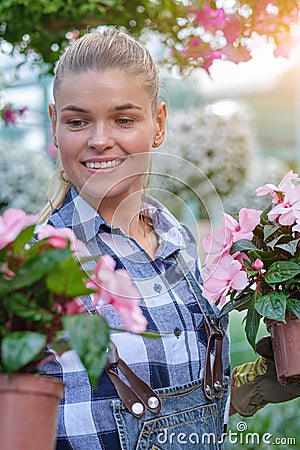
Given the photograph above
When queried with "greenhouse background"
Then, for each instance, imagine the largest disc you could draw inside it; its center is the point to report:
(260, 119)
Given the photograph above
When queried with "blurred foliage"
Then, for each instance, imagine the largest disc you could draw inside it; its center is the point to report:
(196, 32)
(42, 25)
(274, 426)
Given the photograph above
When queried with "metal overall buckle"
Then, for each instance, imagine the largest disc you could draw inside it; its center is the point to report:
(213, 376)
(137, 396)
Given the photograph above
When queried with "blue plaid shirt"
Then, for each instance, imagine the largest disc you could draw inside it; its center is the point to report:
(85, 419)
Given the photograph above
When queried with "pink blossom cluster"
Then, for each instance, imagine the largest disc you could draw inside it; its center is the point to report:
(286, 197)
(112, 287)
(223, 271)
(9, 114)
(270, 18)
(115, 288)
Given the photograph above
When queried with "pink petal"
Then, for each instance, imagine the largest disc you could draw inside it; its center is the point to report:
(12, 222)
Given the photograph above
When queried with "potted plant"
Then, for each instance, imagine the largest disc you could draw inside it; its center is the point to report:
(40, 289)
(253, 264)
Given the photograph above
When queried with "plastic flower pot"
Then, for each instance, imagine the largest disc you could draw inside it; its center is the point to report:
(285, 342)
(28, 411)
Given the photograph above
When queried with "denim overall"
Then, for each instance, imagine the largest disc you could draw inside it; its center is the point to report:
(188, 419)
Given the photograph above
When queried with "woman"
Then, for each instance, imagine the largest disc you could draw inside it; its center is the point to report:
(106, 120)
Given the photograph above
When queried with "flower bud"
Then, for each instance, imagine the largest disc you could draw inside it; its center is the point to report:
(258, 264)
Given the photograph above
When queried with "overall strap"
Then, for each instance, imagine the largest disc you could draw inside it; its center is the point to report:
(213, 373)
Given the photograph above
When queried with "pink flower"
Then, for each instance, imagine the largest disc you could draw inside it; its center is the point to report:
(233, 28)
(227, 276)
(12, 222)
(277, 192)
(243, 228)
(22, 111)
(9, 115)
(115, 288)
(288, 210)
(209, 59)
(221, 239)
(212, 19)
(61, 237)
(236, 53)
(75, 307)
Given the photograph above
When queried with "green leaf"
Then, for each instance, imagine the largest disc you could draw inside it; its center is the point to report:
(20, 348)
(281, 271)
(67, 279)
(242, 245)
(34, 269)
(269, 230)
(293, 304)
(20, 242)
(272, 305)
(89, 337)
(252, 325)
(272, 244)
(290, 247)
(236, 304)
(21, 306)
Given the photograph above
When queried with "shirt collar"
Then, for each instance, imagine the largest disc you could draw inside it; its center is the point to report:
(77, 214)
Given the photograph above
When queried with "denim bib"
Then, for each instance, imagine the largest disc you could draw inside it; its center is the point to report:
(188, 420)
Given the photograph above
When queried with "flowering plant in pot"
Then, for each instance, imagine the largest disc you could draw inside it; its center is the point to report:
(40, 289)
(41, 285)
(253, 262)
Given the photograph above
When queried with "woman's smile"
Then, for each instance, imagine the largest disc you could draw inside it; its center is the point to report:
(103, 164)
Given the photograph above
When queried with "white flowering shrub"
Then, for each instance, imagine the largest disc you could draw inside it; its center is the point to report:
(205, 143)
(261, 171)
(24, 177)
(210, 154)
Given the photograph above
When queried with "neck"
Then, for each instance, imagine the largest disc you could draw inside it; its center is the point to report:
(124, 214)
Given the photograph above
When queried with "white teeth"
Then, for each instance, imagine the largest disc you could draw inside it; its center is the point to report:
(103, 164)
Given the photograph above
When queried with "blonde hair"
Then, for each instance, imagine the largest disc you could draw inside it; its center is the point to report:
(110, 49)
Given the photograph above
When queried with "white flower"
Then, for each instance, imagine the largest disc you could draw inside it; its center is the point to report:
(219, 147)
(25, 176)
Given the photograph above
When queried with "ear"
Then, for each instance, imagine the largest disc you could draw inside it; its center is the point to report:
(161, 115)
(52, 114)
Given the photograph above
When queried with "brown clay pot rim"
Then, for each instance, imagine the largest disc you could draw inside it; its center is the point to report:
(26, 382)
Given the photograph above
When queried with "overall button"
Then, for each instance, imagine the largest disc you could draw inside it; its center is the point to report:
(153, 402)
(157, 287)
(137, 408)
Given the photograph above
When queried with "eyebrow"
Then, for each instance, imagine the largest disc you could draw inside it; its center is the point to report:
(125, 106)
(114, 108)
(74, 108)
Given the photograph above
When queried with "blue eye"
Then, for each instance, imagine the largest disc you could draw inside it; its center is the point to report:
(76, 123)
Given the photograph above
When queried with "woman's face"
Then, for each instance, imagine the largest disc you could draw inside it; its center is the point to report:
(105, 128)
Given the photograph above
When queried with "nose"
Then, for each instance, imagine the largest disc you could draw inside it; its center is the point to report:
(101, 137)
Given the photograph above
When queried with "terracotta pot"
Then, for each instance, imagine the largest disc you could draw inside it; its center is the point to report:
(285, 342)
(28, 411)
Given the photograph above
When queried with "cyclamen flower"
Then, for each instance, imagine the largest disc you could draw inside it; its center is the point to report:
(228, 276)
(115, 288)
(12, 222)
